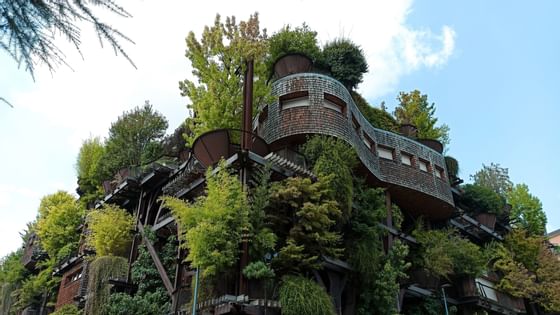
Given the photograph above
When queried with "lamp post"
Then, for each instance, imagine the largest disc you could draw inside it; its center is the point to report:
(447, 285)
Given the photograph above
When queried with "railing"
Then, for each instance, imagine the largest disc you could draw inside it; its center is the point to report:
(489, 293)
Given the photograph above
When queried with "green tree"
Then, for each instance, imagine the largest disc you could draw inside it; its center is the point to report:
(303, 214)
(212, 226)
(134, 139)
(218, 62)
(494, 177)
(68, 309)
(414, 108)
(60, 215)
(110, 230)
(290, 40)
(12, 274)
(530, 269)
(28, 29)
(346, 61)
(101, 270)
(89, 171)
(526, 210)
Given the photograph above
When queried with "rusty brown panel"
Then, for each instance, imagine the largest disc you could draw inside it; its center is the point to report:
(292, 63)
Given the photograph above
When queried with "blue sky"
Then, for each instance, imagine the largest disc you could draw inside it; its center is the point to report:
(490, 66)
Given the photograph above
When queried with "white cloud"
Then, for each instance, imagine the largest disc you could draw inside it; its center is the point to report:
(85, 101)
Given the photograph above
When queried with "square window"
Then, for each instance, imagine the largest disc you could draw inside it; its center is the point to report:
(386, 153)
(406, 159)
(424, 165)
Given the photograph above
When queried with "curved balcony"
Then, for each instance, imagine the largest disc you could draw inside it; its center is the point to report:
(312, 103)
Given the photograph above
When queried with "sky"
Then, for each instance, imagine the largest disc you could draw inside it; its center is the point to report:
(491, 68)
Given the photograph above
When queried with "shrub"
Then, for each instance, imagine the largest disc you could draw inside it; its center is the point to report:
(452, 166)
(378, 117)
(482, 199)
(110, 230)
(68, 309)
(297, 40)
(301, 296)
(346, 61)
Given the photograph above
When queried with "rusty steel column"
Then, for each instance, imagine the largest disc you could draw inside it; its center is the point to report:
(247, 107)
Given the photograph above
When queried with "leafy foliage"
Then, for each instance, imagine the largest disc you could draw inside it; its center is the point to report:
(494, 177)
(290, 40)
(263, 238)
(88, 169)
(60, 215)
(38, 285)
(28, 29)
(452, 166)
(68, 309)
(212, 226)
(218, 62)
(378, 117)
(258, 270)
(482, 199)
(100, 271)
(346, 61)
(415, 109)
(12, 273)
(387, 282)
(151, 298)
(333, 160)
(303, 215)
(444, 253)
(526, 210)
(530, 269)
(301, 296)
(110, 230)
(134, 139)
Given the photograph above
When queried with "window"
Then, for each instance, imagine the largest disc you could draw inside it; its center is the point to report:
(355, 124)
(368, 142)
(334, 103)
(406, 159)
(385, 152)
(295, 99)
(424, 165)
(440, 173)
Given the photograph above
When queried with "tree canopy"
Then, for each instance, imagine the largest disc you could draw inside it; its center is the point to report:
(60, 215)
(346, 61)
(134, 139)
(288, 40)
(88, 169)
(494, 177)
(28, 29)
(109, 230)
(218, 62)
(526, 210)
(414, 109)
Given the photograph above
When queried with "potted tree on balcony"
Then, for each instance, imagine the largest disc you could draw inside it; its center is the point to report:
(483, 203)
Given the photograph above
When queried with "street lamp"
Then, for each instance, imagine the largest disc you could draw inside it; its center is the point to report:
(447, 285)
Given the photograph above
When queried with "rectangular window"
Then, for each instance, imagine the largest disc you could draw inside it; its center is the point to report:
(424, 165)
(386, 153)
(295, 99)
(440, 173)
(355, 124)
(334, 103)
(406, 159)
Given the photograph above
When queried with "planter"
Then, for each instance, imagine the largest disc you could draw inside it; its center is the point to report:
(290, 64)
(487, 219)
(466, 287)
(433, 144)
(424, 279)
(408, 130)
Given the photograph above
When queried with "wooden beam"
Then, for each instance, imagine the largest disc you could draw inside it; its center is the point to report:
(157, 262)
